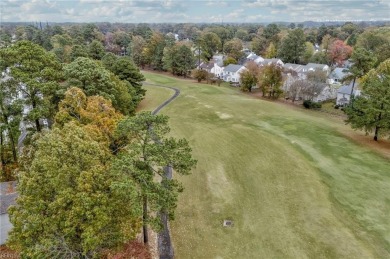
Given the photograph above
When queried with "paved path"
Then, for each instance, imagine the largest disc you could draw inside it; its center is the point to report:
(165, 247)
(173, 97)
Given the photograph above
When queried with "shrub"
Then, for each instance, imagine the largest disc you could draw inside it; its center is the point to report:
(311, 105)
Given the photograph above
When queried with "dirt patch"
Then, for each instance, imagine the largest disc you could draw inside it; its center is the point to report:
(5, 252)
(382, 146)
(223, 116)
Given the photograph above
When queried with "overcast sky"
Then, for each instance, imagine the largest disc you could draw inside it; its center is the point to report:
(151, 11)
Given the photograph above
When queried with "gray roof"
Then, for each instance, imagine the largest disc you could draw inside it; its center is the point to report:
(338, 73)
(296, 67)
(346, 89)
(232, 68)
(315, 66)
(207, 66)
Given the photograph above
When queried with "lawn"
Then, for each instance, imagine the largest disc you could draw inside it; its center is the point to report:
(292, 182)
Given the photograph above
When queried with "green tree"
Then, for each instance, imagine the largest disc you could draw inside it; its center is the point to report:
(109, 60)
(154, 51)
(94, 79)
(270, 80)
(37, 73)
(96, 50)
(293, 46)
(233, 48)
(309, 51)
(137, 47)
(71, 203)
(126, 70)
(148, 152)
(62, 47)
(210, 43)
(178, 59)
(271, 30)
(259, 45)
(247, 80)
(362, 62)
(229, 60)
(371, 111)
(10, 117)
(78, 51)
(271, 51)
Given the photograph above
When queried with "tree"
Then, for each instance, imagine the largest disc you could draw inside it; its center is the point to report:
(271, 51)
(94, 113)
(62, 47)
(229, 60)
(78, 51)
(270, 81)
(316, 83)
(371, 111)
(233, 48)
(339, 52)
(247, 80)
(259, 45)
(71, 203)
(178, 59)
(148, 152)
(96, 50)
(309, 51)
(10, 117)
(271, 30)
(154, 51)
(293, 46)
(94, 79)
(126, 70)
(109, 60)
(362, 62)
(37, 73)
(137, 46)
(297, 89)
(210, 43)
(199, 74)
(241, 34)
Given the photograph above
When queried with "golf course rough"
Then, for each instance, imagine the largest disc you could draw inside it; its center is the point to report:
(292, 183)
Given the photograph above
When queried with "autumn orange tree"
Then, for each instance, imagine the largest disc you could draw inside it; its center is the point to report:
(339, 52)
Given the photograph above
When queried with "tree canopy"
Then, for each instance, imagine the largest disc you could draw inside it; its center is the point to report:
(61, 195)
(371, 111)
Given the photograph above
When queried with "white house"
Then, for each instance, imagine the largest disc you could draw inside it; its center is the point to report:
(212, 67)
(231, 73)
(344, 93)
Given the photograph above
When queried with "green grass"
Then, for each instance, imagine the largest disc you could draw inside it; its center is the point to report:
(155, 96)
(294, 186)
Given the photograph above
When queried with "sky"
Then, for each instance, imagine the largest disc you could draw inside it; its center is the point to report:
(194, 11)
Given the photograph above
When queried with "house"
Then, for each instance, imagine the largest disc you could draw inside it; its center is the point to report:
(275, 61)
(253, 57)
(218, 59)
(344, 93)
(327, 92)
(336, 76)
(212, 67)
(298, 70)
(314, 66)
(231, 73)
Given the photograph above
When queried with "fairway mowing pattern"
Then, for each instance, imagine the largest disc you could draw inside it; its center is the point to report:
(293, 185)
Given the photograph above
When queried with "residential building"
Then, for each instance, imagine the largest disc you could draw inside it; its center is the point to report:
(344, 93)
(231, 73)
